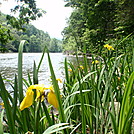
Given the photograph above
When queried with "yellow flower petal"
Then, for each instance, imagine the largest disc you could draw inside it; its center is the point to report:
(39, 92)
(95, 62)
(39, 95)
(28, 100)
(59, 80)
(50, 87)
(112, 48)
(51, 97)
(81, 67)
(70, 70)
(106, 45)
(2, 105)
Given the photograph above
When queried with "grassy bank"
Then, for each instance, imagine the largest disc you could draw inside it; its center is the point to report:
(97, 97)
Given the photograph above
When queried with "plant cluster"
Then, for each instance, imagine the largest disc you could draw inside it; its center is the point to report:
(95, 23)
(96, 98)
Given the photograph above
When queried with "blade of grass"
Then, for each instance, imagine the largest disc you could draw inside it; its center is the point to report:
(41, 59)
(75, 128)
(37, 118)
(85, 60)
(29, 79)
(1, 121)
(35, 74)
(126, 105)
(36, 70)
(15, 98)
(57, 91)
(113, 120)
(8, 108)
(56, 128)
(129, 117)
(26, 84)
(133, 61)
(82, 107)
(66, 71)
(47, 114)
(20, 82)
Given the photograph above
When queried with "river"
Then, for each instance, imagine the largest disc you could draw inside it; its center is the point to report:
(9, 61)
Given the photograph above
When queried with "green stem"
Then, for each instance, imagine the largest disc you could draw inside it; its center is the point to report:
(82, 107)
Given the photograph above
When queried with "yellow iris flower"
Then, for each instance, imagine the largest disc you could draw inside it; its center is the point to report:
(108, 47)
(40, 92)
(2, 105)
(81, 67)
(95, 62)
(58, 79)
(70, 70)
(51, 97)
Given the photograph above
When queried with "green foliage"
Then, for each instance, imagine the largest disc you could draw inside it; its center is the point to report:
(127, 108)
(69, 45)
(97, 96)
(27, 11)
(55, 45)
(125, 16)
(56, 128)
(36, 39)
(94, 23)
(5, 34)
(104, 92)
(4, 37)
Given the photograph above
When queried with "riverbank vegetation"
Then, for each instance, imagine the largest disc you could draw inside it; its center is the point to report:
(99, 22)
(36, 39)
(97, 96)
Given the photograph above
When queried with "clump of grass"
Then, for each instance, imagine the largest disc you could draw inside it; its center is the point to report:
(97, 97)
(101, 90)
(37, 117)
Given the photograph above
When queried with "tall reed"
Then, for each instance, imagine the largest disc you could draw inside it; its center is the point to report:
(97, 97)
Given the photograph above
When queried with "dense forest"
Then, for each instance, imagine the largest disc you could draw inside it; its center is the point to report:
(36, 39)
(94, 23)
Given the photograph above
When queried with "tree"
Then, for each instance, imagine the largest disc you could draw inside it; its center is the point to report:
(69, 45)
(125, 17)
(27, 11)
(34, 44)
(54, 45)
(4, 37)
(75, 29)
(97, 22)
(36, 39)
(44, 39)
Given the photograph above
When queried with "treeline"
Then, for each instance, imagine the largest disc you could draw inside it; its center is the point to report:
(36, 39)
(94, 23)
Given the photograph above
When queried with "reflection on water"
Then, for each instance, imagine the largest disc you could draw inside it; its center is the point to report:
(9, 61)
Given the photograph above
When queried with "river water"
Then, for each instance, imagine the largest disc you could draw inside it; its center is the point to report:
(9, 61)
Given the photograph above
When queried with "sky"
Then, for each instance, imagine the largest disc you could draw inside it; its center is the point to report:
(52, 22)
